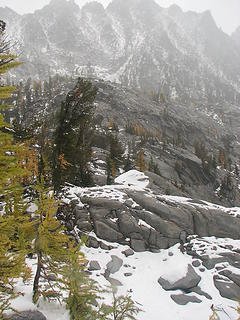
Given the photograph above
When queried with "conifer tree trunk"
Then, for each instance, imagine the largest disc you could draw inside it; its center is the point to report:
(37, 277)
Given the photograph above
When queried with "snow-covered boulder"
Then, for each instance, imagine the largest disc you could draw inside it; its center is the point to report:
(190, 280)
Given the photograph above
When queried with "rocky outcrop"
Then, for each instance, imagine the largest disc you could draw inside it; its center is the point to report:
(226, 281)
(147, 221)
(106, 232)
(134, 215)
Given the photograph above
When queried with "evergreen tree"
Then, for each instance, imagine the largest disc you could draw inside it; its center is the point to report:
(128, 165)
(116, 150)
(73, 137)
(140, 161)
(82, 291)
(109, 166)
(12, 226)
(122, 308)
(115, 157)
(60, 264)
(151, 164)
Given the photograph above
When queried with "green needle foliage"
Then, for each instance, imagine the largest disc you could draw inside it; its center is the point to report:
(12, 228)
(60, 265)
(122, 308)
(83, 292)
(73, 137)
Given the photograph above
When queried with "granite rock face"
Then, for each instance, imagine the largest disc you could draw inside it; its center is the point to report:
(151, 222)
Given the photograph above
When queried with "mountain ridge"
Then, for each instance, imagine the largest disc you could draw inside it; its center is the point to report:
(138, 43)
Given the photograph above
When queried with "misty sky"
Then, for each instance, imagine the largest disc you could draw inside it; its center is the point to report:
(225, 12)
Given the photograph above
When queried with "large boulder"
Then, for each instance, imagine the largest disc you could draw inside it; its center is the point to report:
(84, 225)
(107, 233)
(190, 280)
(199, 291)
(98, 213)
(128, 224)
(27, 315)
(210, 263)
(227, 289)
(92, 242)
(80, 213)
(128, 252)
(94, 266)
(157, 240)
(215, 222)
(114, 282)
(166, 212)
(167, 228)
(138, 245)
(231, 276)
(232, 258)
(171, 218)
(114, 265)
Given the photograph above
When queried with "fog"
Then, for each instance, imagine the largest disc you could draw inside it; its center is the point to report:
(225, 12)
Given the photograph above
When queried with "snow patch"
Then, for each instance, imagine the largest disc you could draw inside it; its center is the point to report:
(133, 178)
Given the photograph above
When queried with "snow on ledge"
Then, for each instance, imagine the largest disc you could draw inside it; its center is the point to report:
(133, 178)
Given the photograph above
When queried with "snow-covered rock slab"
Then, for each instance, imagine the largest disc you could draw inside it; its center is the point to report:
(130, 213)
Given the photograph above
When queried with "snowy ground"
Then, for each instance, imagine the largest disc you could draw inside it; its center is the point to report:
(143, 286)
(52, 311)
(146, 268)
(140, 272)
